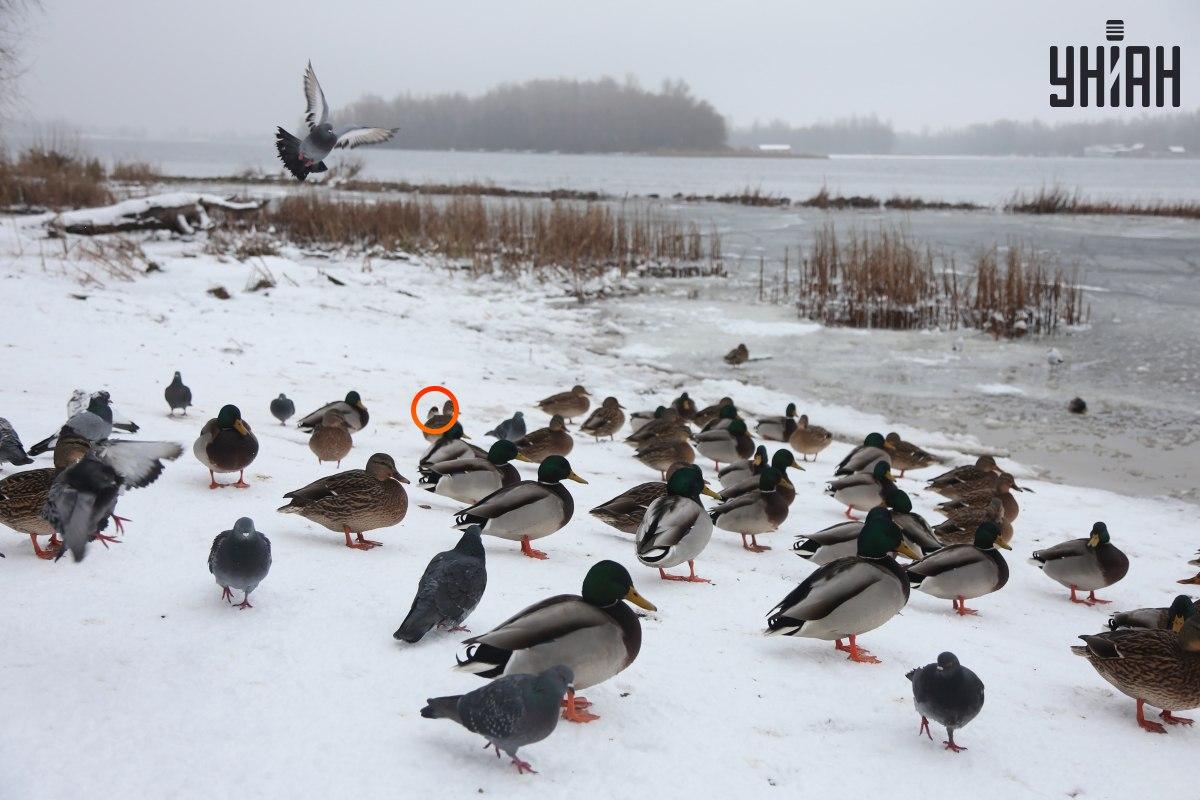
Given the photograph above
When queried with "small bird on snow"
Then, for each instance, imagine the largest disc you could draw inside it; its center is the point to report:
(11, 449)
(449, 589)
(178, 395)
(948, 693)
(240, 559)
(282, 408)
(304, 157)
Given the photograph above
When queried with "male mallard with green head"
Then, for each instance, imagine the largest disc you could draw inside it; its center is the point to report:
(725, 445)
(850, 596)
(841, 540)
(962, 572)
(526, 510)
(226, 444)
(754, 513)
(862, 490)
(355, 501)
(781, 460)
(1084, 564)
(450, 446)
(625, 511)
(675, 527)
(778, 429)
(594, 633)
(1172, 617)
(737, 472)
(470, 479)
(865, 457)
(351, 408)
(1155, 666)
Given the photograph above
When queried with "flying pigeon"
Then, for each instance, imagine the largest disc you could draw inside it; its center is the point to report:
(11, 449)
(240, 559)
(303, 157)
(948, 693)
(84, 495)
(449, 589)
(511, 429)
(282, 408)
(178, 395)
(510, 712)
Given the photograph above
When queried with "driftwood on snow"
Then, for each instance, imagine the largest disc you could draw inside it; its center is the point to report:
(180, 212)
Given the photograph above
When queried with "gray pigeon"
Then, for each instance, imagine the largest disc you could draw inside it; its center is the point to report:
(449, 590)
(94, 423)
(510, 712)
(84, 495)
(282, 408)
(80, 399)
(178, 395)
(11, 449)
(240, 559)
(511, 429)
(948, 693)
(303, 157)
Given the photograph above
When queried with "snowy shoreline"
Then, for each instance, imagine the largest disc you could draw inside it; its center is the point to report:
(159, 688)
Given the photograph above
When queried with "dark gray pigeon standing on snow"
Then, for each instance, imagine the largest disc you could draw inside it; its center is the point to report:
(282, 408)
(510, 712)
(511, 429)
(178, 396)
(11, 449)
(84, 495)
(240, 559)
(303, 157)
(449, 589)
(948, 693)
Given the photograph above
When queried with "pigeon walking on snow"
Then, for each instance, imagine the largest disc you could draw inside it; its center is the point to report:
(11, 449)
(511, 429)
(948, 693)
(84, 495)
(449, 590)
(240, 559)
(510, 712)
(303, 157)
(178, 396)
(282, 408)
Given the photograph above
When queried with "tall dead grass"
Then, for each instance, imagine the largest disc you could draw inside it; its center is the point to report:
(41, 179)
(1059, 200)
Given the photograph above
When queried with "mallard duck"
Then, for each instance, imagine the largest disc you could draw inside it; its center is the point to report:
(906, 455)
(437, 419)
(594, 633)
(660, 454)
(969, 479)
(758, 512)
(471, 479)
(331, 440)
(962, 572)
(675, 527)
(685, 405)
(850, 596)
(667, 424)
(226, 444)
(862, 490)
(355, 501)
(809, 440)
(574, 403)
(864, 457)
(526, 510)
(1171, 618)
(1000, 487)
(841, 540)
(69, 448)
(725, 445)
(605, 420)
(638, 419)
(553, 440)
(351, 408)
(781, 460)
(948, 693)
(738, 355)
(725, 417)
(709, 413)
(22, 496)
(737, 472)
(625, 511)
(778, 429)
(449, 447)
(1092, 563)
(960, 526)
(1159, 667)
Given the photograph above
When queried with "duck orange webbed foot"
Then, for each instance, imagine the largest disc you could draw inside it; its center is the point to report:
(574, 709)
(1171, 719)
(527, 550)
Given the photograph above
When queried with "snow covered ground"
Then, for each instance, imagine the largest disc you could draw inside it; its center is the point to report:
(126, 675)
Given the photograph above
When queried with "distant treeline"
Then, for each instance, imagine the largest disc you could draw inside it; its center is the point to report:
(551, 115)
(1002, 137)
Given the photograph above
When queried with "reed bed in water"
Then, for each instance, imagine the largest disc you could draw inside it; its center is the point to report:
(885, 280)
(1058, 200)
(572, 237)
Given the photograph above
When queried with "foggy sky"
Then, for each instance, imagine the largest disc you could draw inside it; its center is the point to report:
(168, 66)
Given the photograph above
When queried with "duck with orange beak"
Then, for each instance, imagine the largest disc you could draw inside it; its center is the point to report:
(226, 444)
